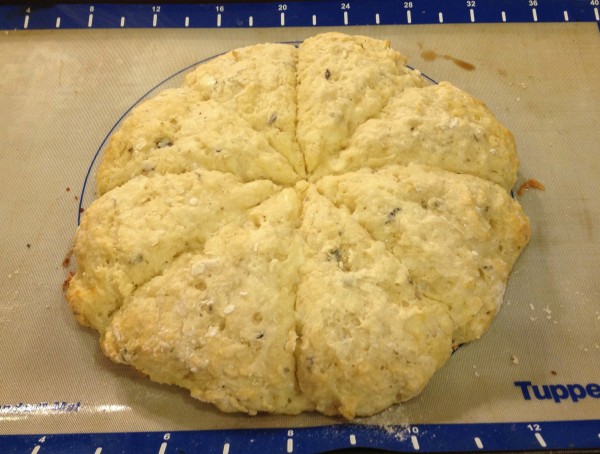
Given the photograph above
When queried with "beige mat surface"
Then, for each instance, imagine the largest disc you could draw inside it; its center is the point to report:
(61, 93)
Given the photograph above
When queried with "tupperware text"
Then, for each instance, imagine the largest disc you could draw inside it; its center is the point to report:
(575, 392)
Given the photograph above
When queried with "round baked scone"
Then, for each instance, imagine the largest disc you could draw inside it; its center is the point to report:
(300, 228)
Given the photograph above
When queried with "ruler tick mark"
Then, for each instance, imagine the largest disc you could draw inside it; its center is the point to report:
(441, 17)
(154, 20)
(377, 18)
(596, 14)
(282, 19)
(472, 14)
(98, 450)
(352, 439)
(478, 443)
(35, 449)
(90, 20)
(122, 21)
(26, 22)
(566, 15)
(415, 442)
(408, 16)
(534, 14)
(58, 22)
(503, 16)
(163, 448)
(540, 440)
(345, 17)
(314, 20)
(290, 445)
(187, 21)
(226, 448)
(219, 20)
(250, 21)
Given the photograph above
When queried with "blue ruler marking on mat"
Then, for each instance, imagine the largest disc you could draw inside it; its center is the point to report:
(293, 14)
(428, 438)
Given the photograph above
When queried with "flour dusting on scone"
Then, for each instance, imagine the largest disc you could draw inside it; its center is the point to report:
(367, 338)
(457, 235)
(221, 322)
(300, 228)
(344, 81)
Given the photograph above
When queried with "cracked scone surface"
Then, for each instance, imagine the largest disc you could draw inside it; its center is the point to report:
(291, 230)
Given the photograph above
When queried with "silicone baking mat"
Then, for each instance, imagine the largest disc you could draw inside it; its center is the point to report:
(531, 383)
